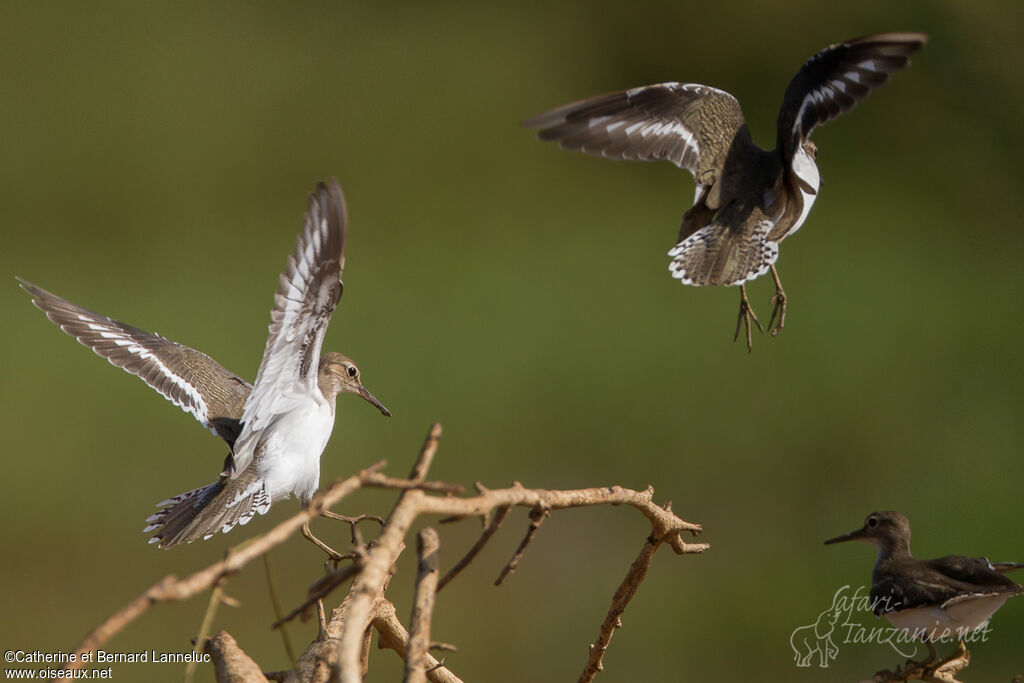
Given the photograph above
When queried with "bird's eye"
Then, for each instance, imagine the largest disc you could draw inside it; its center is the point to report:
(353, 371)
(872, 522)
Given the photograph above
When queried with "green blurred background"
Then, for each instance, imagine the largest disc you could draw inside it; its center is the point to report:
(155, 165)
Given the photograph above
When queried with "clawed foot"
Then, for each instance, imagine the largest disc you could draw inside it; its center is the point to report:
(357, 540)
(779, 311)
(333, 554)
(745, 316)
(353, 522)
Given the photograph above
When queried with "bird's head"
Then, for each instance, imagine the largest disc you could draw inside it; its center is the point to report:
(889, 531)
(339, 374)
(811, 149)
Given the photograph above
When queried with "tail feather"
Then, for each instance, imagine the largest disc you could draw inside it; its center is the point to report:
(204, 511)
(719, 255)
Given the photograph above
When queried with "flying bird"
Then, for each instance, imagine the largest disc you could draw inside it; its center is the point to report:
(747, 199)
(277, 428)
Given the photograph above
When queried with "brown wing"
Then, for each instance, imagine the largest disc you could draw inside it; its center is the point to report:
(188, 378)
(836, 79)
(688, 124)
(308, 292)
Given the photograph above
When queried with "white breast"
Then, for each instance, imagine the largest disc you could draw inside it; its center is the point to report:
(292, 447)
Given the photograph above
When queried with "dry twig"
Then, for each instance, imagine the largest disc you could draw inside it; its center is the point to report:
(416, 664)
(537, 517)
(394, 637)
(230, 662)
(341, 649)
(944, 671)
(172, 589)
(666, 528)
(489, 531)
(625, 592)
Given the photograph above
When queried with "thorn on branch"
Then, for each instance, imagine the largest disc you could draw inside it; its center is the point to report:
(440, 665)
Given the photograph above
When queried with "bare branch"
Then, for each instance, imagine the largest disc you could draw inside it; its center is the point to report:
(172, 589)
(489, 531)
(320, 590)
(340, 651)
(385, 482)
(416, 664)
(275, 602)
(379, 560)
(394, 637)
(217, 596)
(666, 528)
(623, 594)
(230, 663)
(944, 671)
(537, 517)
(318, 664)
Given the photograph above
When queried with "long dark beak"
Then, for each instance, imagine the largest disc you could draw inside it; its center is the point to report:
(852, 536)
(370, 398)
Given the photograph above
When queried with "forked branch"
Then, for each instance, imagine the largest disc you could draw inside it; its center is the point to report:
(340, 651)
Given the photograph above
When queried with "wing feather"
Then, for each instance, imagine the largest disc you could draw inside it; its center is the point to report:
(307, 294)
(188, 378)
(836, 79)
(688, 124)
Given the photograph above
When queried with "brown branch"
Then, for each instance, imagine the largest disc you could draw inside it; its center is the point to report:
(378, 561)
(341, 648)
(537, 517)
(623, 594)
(416, 664)
(172, 589)
(666, 527)
(216, 599)
(318, 664)
(385, 482)
(275, 602)
(489, 531)
(230, 663)
(394, 637)
(319, 590)
(944, 671)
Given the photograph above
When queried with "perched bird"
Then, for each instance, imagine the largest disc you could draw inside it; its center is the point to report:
(278, 427)
(747, 199)
(930, 600)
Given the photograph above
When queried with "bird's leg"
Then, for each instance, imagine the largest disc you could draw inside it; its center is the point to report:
(780, 304)
(331, 552)
(744, 318)
(932, 653)
(352, 522)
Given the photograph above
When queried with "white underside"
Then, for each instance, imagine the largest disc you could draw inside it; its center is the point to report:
(953, 619)
(807, 171)
(293, 444)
